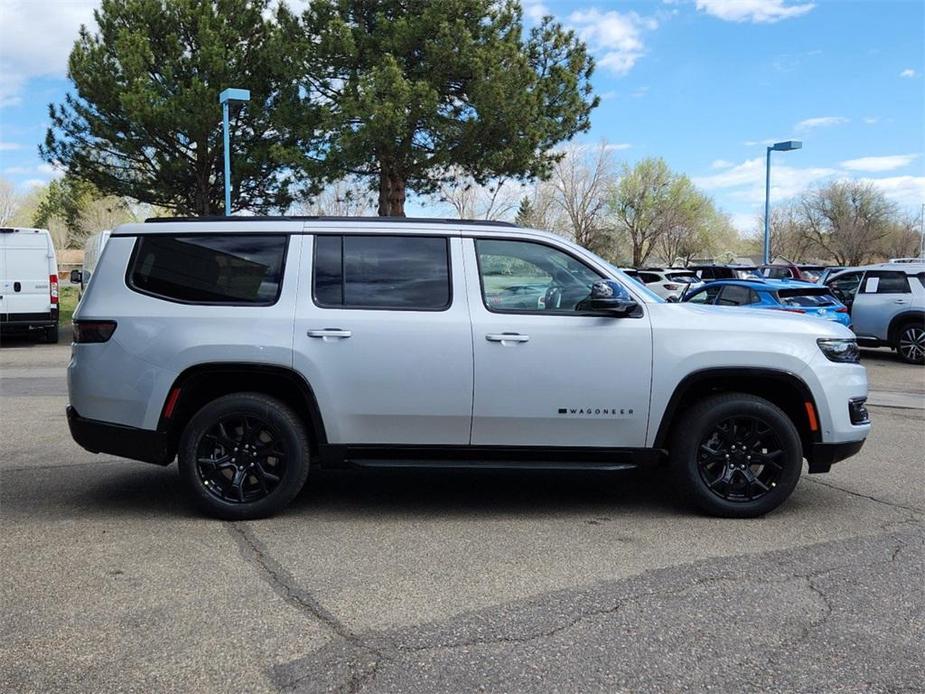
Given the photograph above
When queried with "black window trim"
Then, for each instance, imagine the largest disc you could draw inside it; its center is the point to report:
(521, 312)
(344, 307)
(139, 239)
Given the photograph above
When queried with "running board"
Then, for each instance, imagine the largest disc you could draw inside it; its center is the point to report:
(490, 457)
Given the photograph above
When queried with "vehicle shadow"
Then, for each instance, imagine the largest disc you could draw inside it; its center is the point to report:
(148, 491)
(882, 355)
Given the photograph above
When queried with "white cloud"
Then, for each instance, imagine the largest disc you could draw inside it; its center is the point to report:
(745, 181)
(821, 122)
(614, 37)
(908, 191)
(871, 120)
(756, 11)
(744, 222)
(765, 142)
(9, 146)
(536, 10)
(908, 72)
(721, 164)
(616, 147)
(884, 163)
(35, 40)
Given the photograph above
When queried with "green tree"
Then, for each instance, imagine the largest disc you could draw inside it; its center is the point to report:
(73, 210)
(525, 212)
(413, 93)
(145, 122)
(651, 204)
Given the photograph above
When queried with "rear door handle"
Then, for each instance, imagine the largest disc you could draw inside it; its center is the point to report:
(325, 333)
(505, 338)
(900, 301)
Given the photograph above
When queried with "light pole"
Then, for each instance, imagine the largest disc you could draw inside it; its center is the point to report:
(776, 147)
(223, 98)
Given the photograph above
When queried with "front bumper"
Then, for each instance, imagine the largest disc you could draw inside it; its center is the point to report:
(116, 439)
(822, 456)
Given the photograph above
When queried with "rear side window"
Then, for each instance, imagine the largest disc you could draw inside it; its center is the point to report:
(236, 269)
(410, 273)
(886, 282)
(704, 296)
(735, 295)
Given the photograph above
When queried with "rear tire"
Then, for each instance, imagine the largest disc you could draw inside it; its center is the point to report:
(910, 343)
(736, 455)
(51, 335)
(244, 456)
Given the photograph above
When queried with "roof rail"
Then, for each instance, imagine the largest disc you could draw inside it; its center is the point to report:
(323, 218)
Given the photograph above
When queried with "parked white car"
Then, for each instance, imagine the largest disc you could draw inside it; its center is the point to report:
(670, 284)
(254, 349)
(28, 283)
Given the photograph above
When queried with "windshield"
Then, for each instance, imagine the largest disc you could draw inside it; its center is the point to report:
(748, 274)
(811, 275)
(685, 277)
(806, 298)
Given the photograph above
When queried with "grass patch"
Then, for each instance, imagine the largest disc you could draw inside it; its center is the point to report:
(67, 303)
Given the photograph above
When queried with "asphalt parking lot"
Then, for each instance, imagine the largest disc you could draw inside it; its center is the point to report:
(427, 581)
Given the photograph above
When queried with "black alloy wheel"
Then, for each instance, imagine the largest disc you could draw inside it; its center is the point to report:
(241, 459)
(244, 456)
(739, 460)
(735, 455)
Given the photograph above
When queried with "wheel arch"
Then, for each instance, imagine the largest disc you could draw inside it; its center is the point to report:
(202, 383)
(783, 388)
(899, 320)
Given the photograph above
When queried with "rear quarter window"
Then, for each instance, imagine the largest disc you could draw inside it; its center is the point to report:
(234, 269)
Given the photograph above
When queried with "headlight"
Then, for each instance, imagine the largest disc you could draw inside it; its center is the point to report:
(840, 349)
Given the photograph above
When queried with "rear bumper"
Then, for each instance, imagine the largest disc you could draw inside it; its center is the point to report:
(24, 322)
(116, 439)
(822, 456)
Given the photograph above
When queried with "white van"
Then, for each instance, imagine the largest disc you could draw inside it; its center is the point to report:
(28, 283)
(93, 249)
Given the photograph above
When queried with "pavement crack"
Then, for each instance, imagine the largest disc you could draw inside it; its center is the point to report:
(866, 496)
(282, 582)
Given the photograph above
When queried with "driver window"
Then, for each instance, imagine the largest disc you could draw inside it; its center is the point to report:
(527, 277)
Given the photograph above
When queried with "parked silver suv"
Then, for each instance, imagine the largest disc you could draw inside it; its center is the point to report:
(887, 304)
(253, 348)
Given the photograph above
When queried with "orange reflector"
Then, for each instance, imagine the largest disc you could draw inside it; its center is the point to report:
(811, 415)
(175, 395)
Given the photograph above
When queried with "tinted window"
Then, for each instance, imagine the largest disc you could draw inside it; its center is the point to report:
(210, 269)
(384, 272)
(734, 295)
(844, 286)
(649, 277)
(806, 297)
(704, 296)
(885, 282)
(526, 277)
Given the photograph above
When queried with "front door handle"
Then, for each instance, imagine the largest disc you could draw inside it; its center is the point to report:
(507, 338)
(900, 301)
(325, 333)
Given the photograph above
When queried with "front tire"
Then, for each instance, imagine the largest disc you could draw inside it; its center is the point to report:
(244, 456)
(736, 455)
(910, 343)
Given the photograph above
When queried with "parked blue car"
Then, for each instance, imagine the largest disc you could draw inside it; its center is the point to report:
(781, 295)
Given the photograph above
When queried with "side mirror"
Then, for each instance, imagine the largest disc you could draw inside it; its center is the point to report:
(618, 308)
(76, 277)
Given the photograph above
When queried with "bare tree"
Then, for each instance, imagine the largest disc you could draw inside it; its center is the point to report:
(9, 201)
(540, 209)
(904, 238)
(579, 184)
(848, 220)
(790, 232)
(494, 201)
(348, 197)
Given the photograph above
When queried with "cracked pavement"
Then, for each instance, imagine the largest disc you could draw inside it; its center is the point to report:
(442, 582)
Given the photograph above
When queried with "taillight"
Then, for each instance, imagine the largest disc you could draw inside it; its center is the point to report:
(87, 331)
(794, 310)
(53, 288)
(841, 309)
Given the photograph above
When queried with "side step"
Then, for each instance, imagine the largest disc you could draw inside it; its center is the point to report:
(490, 457)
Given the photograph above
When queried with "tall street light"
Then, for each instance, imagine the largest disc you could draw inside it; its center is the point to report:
(224, 98)
(776, 147)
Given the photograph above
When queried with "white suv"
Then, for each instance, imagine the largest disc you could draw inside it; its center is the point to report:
(252, 348)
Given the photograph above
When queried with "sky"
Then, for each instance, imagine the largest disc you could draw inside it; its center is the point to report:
(706, 84)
